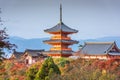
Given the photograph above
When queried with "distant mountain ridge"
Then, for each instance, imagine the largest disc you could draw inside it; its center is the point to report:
(37, 43)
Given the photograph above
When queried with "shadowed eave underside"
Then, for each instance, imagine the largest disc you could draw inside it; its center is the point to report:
(61, 41)
(61, 27)
(58, 52)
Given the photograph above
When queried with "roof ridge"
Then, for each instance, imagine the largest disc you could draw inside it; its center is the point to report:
(17, 52)
(34, 49)
(100, 42)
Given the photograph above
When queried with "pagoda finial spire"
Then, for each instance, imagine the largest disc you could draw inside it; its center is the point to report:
(60, 12)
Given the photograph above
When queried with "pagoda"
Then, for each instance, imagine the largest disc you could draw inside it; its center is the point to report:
(60, 40)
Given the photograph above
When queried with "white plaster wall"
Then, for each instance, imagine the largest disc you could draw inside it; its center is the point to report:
(95, 57)
(29, 59)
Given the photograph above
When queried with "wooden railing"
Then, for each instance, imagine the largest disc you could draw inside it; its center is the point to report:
(58, 48)
(59, 37)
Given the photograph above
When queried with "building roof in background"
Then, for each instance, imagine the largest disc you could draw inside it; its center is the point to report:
(97, 47)
(31, 50)
(34, 53)
(17, 55)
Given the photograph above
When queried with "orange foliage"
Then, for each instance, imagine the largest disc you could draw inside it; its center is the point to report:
(18, 66)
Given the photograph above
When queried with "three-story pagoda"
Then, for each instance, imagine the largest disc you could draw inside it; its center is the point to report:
(60, 39)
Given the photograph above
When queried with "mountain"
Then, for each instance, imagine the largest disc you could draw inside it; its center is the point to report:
(22, 44)
(37, 43)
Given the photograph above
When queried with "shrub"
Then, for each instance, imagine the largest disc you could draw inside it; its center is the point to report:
(32, 70)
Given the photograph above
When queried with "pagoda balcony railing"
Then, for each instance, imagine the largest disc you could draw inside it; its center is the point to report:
(58, 48)
(59, 37)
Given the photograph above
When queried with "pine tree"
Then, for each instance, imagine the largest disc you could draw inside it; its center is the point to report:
(47, 69)
(31, 73)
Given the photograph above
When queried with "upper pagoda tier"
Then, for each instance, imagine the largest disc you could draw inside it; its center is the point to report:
(61, 27)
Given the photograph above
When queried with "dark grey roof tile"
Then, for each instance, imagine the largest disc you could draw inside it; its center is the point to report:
(35, 53)
(64, 41)
(61, 27)
(17, 54)
(96, 47)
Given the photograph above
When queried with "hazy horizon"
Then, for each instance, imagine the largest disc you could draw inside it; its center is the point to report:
(71, 37)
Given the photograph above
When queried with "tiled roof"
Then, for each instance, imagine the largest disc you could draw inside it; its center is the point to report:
(63, 41)
(34, 53)
(61, 27)
(97, 47)
(31, 50)
(17, 54)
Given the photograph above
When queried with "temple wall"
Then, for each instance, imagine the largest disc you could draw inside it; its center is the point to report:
(95, 57)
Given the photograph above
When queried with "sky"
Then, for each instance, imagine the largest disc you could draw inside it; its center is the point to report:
(29, 18)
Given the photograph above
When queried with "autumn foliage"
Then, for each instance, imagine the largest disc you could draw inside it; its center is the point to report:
(80, 69)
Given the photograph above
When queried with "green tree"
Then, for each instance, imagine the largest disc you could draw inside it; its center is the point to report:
(32, 70)
(62, 62)
(31, 73)
(80, 46)
(47, 69)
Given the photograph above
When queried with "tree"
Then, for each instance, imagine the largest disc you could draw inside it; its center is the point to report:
(80, 46)
(32, 71)
(47, 69)
(4, 43)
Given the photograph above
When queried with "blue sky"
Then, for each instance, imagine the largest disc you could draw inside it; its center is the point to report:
(93, 18)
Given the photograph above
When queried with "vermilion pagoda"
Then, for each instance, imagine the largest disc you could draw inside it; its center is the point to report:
(60, 40)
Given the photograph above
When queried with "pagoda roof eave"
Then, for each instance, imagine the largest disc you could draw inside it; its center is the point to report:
(58, 32)
(58, 52)
(63, 41)
(61, 27)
